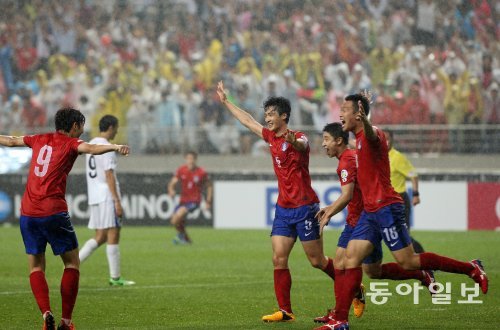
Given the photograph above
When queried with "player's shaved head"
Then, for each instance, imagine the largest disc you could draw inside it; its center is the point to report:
(355, 98)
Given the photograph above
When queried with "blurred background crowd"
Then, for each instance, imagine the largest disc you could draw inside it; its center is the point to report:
(433, 67)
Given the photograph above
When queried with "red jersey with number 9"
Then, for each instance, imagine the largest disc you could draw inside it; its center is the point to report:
(52, 159)
(292, 170)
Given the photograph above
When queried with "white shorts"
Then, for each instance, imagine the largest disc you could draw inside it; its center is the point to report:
(103, 216)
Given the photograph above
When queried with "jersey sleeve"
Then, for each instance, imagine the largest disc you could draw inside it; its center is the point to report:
(178, 172)
(75, 143)
(109, 161)
(266, 134)
(347, 171)
(29, 140)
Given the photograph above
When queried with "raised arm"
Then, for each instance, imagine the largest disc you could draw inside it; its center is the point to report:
(370, 133)
(243, 117)
(99, 149)
(12, 141)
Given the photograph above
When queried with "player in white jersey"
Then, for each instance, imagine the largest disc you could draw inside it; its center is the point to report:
(104, 200)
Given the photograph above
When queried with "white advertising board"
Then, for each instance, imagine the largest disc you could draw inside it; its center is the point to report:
(250, 204)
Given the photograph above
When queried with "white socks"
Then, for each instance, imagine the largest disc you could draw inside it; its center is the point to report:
(87, 249)
(113, 253)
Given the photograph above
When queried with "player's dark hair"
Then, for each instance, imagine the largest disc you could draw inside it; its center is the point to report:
(191, 152)
(106, 122)
(66, 117)
(335, 130)
(281, 104)
(355, 98)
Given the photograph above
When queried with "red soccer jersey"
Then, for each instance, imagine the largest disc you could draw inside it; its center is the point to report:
(374, 176)
(347, 172)
(191, 183)
(292, 170)
(53, 157)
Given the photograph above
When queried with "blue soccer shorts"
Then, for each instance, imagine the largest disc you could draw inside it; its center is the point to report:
(300, 221)
(345, 236)
(191, 206)
(387, 224)
(56, 230)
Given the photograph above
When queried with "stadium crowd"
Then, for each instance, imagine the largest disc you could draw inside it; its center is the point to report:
(155, 64)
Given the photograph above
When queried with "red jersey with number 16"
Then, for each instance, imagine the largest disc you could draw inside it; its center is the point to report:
(292, 170)
(192, 182)
(374, 175)
(53, 157)
(347, 172)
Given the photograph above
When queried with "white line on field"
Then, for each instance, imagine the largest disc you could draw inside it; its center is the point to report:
(142, 287)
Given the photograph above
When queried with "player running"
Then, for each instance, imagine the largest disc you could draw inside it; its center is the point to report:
(383, 217)
(193, 179)
(104, 200)
(297, 202)
(44, 211)
(335, 142)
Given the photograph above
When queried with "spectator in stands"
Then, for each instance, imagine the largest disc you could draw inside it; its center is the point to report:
(26, 59)
(415, 107)
(491, 113)
(169, 122)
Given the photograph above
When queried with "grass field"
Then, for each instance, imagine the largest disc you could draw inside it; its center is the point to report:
(224, 281)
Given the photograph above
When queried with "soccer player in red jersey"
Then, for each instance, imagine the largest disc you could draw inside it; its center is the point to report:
(335, 141)
(193, 180)
(44, 212)
(383, 217)
(297, 203)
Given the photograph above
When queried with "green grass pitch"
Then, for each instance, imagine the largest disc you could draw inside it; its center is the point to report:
(224, 281)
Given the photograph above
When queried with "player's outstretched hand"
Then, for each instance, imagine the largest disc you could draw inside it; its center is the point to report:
(361, 115)
(221, 92)
(123, 149)
(290, 137)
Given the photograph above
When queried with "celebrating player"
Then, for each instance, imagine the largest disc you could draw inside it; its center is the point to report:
(382, 218)
(193, 180)
(104, 200)
(44, 211)
(297, 202)
(335, 141)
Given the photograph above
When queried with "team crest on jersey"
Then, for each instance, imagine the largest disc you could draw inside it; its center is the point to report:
(344, 175)
(196, 179)
(284, 146)
(359, 145)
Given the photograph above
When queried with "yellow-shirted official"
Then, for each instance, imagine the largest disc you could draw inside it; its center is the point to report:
(402, 170)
